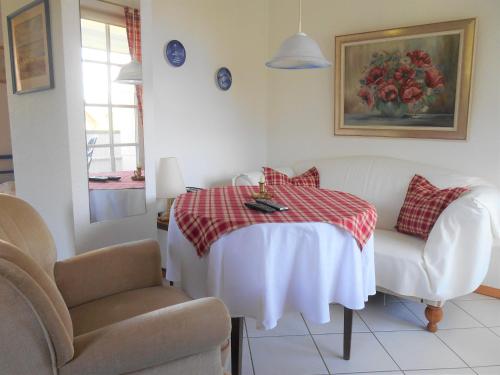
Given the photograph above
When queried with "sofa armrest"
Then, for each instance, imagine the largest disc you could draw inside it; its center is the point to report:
(108, 271)
(457, 252)
(152, 339)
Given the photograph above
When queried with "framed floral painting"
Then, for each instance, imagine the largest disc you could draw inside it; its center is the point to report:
(411, 82)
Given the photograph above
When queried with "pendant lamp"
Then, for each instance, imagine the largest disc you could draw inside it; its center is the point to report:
(299, 52)
(132, 72)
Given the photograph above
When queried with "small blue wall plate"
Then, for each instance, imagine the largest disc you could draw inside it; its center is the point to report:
(175, 53)
(224, 79)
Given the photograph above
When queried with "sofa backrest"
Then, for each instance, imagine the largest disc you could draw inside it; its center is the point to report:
(381, 181)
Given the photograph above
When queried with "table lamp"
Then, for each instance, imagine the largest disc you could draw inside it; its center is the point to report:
(169, 183)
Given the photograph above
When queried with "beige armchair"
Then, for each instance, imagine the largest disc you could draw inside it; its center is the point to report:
(102, 312)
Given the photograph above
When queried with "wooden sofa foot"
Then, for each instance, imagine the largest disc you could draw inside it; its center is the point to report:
(434, 316)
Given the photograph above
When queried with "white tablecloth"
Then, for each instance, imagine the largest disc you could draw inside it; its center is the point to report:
(110, 204)
(266, 270)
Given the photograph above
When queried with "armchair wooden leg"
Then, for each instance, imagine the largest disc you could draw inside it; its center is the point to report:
(236, 341)
(434, 316)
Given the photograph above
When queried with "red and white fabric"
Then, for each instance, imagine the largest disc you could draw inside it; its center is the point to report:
(205, 216)
(423, 204)
(133, 25)
(308, 178)
(125, 182)
(266, 270)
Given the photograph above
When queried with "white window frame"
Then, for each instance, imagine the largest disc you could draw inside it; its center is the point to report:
(112, 145)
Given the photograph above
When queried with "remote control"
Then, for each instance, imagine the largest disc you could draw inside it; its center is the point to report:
(260, 207)
(272, 204)
(98, 179)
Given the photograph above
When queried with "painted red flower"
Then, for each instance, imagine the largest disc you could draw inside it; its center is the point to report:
(366, 96)
(375, 75)
(434, 79)
(420, 58)
(411, 92)
(388, 91)
(404, 73)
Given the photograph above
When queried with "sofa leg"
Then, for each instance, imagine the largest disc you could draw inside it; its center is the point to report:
(434, 316)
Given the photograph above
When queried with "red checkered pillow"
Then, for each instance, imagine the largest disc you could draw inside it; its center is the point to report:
(308, 178)
(423, 204)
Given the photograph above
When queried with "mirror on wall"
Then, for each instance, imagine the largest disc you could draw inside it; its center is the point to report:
(110, 35)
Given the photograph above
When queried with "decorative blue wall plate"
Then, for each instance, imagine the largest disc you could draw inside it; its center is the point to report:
(224, 79)
(175, 53)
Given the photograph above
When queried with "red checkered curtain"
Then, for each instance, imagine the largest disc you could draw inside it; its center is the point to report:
(133, 24)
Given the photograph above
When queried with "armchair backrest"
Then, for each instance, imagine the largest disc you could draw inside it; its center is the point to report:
(23, 227)
(33, 313)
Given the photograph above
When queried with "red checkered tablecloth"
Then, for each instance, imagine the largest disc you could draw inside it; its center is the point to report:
(125, 182)
(204, 216)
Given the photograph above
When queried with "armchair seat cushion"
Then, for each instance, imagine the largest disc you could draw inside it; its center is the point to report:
(399, 263)
(117, 307)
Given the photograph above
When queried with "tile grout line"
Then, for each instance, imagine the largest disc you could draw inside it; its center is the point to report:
(376, 338)
(316, 345)
(440, 339)
(248, 343)
(473, 317)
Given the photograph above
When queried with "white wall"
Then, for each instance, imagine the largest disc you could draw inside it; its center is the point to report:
(40, 143)
(301, 102)
(5, 145)
(215, 134)
(91, 236)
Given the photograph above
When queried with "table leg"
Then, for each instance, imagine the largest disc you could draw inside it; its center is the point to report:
(236, 342)
(347, 333)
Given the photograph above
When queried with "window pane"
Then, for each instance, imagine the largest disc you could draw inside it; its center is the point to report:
(120, 58)
(125, 158)
(100, 160)
(93, 35)
(95, 83)
(121, 93)
(94, 54)
(124, 125)
(97, 124)
(119, 45)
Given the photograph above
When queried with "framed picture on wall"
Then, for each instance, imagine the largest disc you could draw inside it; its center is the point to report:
(2, 66)
(30, 48)
(410, 82)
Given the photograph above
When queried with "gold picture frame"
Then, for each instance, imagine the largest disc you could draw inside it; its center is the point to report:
(3, 78)
(409, 82)
(30, 48)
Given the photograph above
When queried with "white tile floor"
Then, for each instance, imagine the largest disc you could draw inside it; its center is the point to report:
(387, 339)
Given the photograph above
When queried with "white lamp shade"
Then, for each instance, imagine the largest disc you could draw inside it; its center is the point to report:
(299, 52)
(130, 73)
(169, 181)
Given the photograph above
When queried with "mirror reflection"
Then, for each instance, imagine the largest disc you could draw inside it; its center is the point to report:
(112, 82)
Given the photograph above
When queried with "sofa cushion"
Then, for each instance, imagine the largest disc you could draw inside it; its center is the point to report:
(423, 204)
(399, 263)
(308, 178)
(381, 181)
(253, 178)
(108, 310)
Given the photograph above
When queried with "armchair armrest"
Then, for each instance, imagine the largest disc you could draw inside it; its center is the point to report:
(108, 271)
(152, 339)
(457, 252)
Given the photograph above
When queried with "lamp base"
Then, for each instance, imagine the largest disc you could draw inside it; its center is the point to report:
(164, 218)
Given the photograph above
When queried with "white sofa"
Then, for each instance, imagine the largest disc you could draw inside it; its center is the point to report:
(452, 262)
